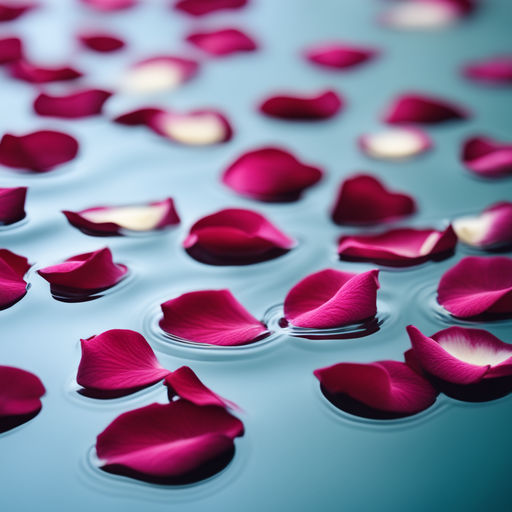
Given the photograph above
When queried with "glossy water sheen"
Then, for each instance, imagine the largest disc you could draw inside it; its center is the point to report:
(299, 453)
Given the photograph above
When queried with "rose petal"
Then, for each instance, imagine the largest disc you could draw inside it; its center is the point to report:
(88, 102)
(140, 116)
(493, 70)
(462, 356)
(322, 105)
(270, 174)
(491, 228)
(10, 10)
(32, 73)
(395, 144)
(389, 386)
(213, 317)
(476, 286)
(101, 42)
(12, 285)
(39, 151)
(202, 7)
(11, 49)
(363, 199)
(398, 247)
(167, 440)
(339, 55)
(235, 237)
(115, 220)
(331, 298)
(419, 108)
(222, 42)
(12, 204)
(110, 5)
(487, 157)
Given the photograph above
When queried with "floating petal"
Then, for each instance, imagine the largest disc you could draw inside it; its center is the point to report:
(12, 204)
(12, 285)
(101, 42)
(222, 42)
(487, 157)
(79, 104)
(339, 55)
(395, 144)
(202, 7)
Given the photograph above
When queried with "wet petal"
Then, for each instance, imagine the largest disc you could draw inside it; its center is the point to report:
(110, 5)
(317, 106)
(213, 317)
(477, 286)
(339, 55)
(11, 49)
(12, 285)
(101, 42)
(331, 298)
(202, 7)
(398, 247)
(487, 157)
(39, 151)
(12, 204)
(395, 144)
(115, 220)
(10, 10)
(422, 109)
(384, 386)
(222, 42)
(32, 73)
(270, 174)
(235, 237)
(167, 441)
(83, 103)
(493, 70)
(363, 199)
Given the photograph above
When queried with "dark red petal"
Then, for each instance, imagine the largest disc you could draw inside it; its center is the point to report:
(213, 317)
(110, 5)
(339, 55)
(270, 174)
(101, 42)
(20, 392)
(222, 42)
(11, 49)
(37, 151)
(10, 10)
(32, 73)
(494, 70)
(487, 157)
(318, 106)
(12, 285)
(12, 204)
(84, 103)
(363, 199)
(202, 7)
(141, 116)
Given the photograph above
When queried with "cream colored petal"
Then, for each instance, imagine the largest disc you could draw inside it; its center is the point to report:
(134, 218)
(152, 78)
(196, 130)
(394, 144)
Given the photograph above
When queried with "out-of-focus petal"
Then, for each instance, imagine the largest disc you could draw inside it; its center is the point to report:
(88, 102)
(222, 42)
(487, 157)
(203, 7)
(339, 55)
(395, 144)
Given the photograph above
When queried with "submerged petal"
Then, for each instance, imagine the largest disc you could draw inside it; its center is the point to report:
(222, 42)
(487, 157)
(339, 55)
(12, 204)
(88, 102)
(493, 70)
(395, 144)
(202, 7)
(12, 285)
(101, 42)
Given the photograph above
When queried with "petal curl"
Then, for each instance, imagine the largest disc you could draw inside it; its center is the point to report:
(29, 72)
(339, 55)
(203, 7)
(222, 42)
(101, 42)
(12, 285)
(494, 70)
(88, 102)
(11, 49)
(486, 157)
(12, 204)
(395, 144)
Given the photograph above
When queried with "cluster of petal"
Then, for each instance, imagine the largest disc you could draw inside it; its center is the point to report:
(395, 144)
(235, 236)
(12, 204)
(101, 42)
(10, 10)
(322, 105)
(339, 55)
(422, 109)
(116, 220)
(331, 298)
(489, 229)
(12, 285)
(203, 7)
(110, 5)
(212, 317)
(11, 49)
(487, 157)
(29, 72)
(477, 286)
(363, 199)
(88, 102)
(222, 42)
(494, 70)
(39, 151)
(270, 174)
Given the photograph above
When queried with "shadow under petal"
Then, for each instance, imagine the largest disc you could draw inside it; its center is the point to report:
(199, 254)
(10, 422)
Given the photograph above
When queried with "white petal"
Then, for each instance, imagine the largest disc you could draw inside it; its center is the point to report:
(195, 130)
(152, 77)
(134, 218)
(394, 144)
(418, 15)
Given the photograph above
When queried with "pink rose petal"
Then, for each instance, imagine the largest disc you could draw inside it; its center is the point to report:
(395, 144)
(88, 102)
(235, 237)
(202, 7)
(487, 157)
(322, 105)
(384, 386)
(168, 441)
(270, 174)
(490, 229)
(12, 204)
(213, 317)
(119, 220)
(39, 151)
(363, 199)
(12, 9)
(339, 55)
(222, 42)
(32, 73)
(398, 247)
(331, 298)
(477, 286)
(12, 285)
(494, 70)
(110, 5)
(11, 49)
(422, 109)
(101, 42)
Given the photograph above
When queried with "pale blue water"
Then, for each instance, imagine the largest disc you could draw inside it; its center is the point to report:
(299, 453)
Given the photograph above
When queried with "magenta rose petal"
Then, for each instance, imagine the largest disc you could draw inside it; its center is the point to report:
(395, 144)
(12, 285)
(380, 390)
(39, 151)
(110, 5)
(27, 71)
(80, 277)
(170, 443)
(212, 317)
(398, 247)
(487, 157)
(270, 174)
(219, 43)
(322, 105)
(11, 10)
(11, 49)
(339, 55)
(493, 71)
(490, 229)
(363, 199)
(121, 220)
(101, 42)
(235, 237)
(138, 117)
(203, 7)
(12, 205)
(477, 286)
(79, 104)
(331, 298)
(423, 109)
